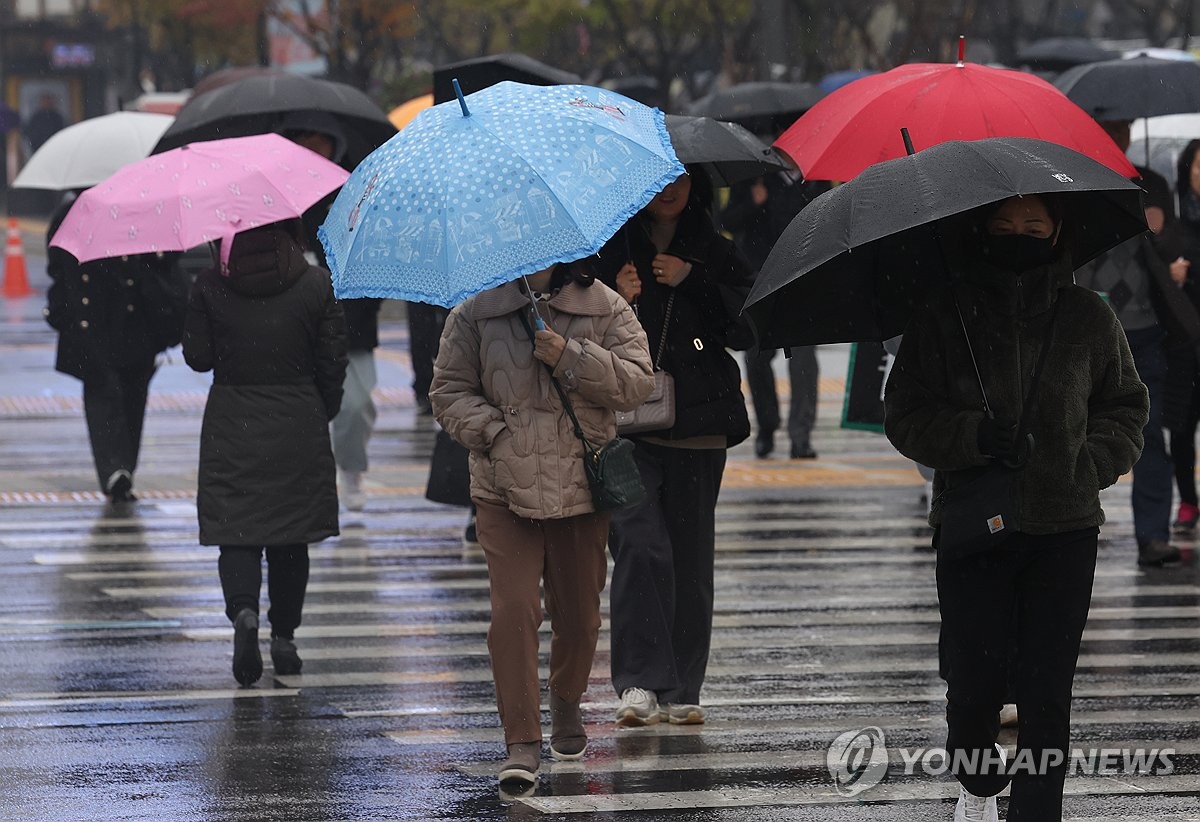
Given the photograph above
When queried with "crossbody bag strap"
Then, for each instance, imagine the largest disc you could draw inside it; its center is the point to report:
(562, 394)
(662, 339)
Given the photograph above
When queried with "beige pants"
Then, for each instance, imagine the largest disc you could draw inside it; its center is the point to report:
(568, 554)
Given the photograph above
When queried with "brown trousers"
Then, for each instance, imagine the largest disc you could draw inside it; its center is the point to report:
(568, 554)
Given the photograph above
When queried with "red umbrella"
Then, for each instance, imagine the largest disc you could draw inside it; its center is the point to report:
(859, 124)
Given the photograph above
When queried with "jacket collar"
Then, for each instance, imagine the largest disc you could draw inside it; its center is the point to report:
(570, 299)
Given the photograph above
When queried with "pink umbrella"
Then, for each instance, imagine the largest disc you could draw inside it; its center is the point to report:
(194, 194)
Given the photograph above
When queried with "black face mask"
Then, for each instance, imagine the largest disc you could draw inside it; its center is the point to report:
(1017, 252)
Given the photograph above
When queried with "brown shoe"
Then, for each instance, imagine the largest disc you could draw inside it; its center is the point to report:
(568, 740)
(1157, 552)
(519, 771)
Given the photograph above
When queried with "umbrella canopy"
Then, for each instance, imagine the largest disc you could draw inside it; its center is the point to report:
(728, 152)
(457, 203)
(859, 124)
(1061, 53)
(836, 79)
(1137, 87)
(478, 73)
(404, 113)
(855, 262)
(225, 76)
(751, 101)
(260, 103)
(83, 154)
(195, 194)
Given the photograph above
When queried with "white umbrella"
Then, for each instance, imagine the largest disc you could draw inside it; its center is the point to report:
(1158, 141)
(81, 155)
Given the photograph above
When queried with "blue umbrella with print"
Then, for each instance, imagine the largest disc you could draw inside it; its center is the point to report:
(505, 182)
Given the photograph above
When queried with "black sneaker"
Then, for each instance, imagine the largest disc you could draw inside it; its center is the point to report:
(764, 444)
(247, 658)
(803, 452)
(120, 487)
(284, 657)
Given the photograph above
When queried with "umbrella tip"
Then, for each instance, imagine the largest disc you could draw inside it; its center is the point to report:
(461, 100)
(962, 50)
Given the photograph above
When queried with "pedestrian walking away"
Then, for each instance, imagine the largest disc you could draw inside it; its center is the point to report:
(492, 391)
(1068, 427)
(1179, 245)
(687, 284)
(273, 335)
(114, 316)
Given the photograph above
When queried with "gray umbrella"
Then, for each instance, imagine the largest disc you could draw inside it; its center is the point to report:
(728, 152)
(1129, 89)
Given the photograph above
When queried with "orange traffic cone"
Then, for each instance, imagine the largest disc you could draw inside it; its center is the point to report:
(16, 278)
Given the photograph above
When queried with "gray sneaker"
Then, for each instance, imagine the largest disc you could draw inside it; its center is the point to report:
(1157, 552)
(680, 714)
(638, 707)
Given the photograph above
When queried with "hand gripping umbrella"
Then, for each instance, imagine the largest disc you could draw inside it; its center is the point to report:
(502, 183)
(854, 264)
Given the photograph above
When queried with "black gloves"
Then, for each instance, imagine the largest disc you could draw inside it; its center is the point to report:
(998, 438)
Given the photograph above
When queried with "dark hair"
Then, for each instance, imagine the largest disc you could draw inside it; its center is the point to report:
(581, 272)
(1183, 169)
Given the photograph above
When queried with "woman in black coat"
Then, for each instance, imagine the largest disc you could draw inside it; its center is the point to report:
(677, 272)
(272, 333)
(1179, 244)
(113, 317)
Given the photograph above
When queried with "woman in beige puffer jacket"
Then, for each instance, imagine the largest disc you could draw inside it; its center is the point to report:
(536, 523)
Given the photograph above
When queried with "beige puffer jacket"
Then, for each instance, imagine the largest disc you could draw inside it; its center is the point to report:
(494, 397)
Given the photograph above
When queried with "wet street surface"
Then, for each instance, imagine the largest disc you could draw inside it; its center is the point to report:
(117, 701)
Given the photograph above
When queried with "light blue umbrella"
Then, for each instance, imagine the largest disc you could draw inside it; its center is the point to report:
(507, 181)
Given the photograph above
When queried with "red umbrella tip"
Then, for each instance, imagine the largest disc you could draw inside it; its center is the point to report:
(962, 49)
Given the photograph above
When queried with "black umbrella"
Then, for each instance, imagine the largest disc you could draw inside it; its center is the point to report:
(1129, 89)
(259, 104)
(728, 152)
(480, 72)
(758, 105)
(1061, 53)
(856, 261)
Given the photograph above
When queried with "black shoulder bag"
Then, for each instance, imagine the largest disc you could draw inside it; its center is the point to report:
(981, 514)
(611, 470)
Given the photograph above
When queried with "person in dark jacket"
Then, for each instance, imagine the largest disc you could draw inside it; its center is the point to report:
(272, 333)
(113, 317)
(757, 213)
(1157, 319)
(1086, 419)
(1179, 245)
(687, 284)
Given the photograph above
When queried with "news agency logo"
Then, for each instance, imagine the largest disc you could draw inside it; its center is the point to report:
(857, 760)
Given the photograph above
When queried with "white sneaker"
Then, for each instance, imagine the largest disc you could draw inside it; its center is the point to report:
(681, 714)
(1008, 715)
(350, 490)
(638, 707)
(972, 808)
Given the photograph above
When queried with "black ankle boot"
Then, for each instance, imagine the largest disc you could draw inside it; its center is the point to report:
(247, 658)
(284, 657)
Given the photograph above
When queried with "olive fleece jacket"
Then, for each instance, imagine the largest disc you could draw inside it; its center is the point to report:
(1090, 405)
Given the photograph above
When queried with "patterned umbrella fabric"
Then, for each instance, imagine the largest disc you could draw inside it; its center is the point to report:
(458, 203)
(195, 194)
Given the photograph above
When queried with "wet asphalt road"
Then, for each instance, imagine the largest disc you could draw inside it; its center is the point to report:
(116, 699)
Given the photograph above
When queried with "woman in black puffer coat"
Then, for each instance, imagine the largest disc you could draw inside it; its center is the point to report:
(673, 266)
(272, 334)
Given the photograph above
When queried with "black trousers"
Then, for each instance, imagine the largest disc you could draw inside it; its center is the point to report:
(661, 598)
(114, 404)
(240, 567)
(425, 324)
(803, 373)
(1036, 591)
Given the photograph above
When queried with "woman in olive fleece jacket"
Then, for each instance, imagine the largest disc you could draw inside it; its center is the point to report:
(1031, 595)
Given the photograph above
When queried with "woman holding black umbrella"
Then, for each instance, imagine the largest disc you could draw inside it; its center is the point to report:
(1065, 407)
